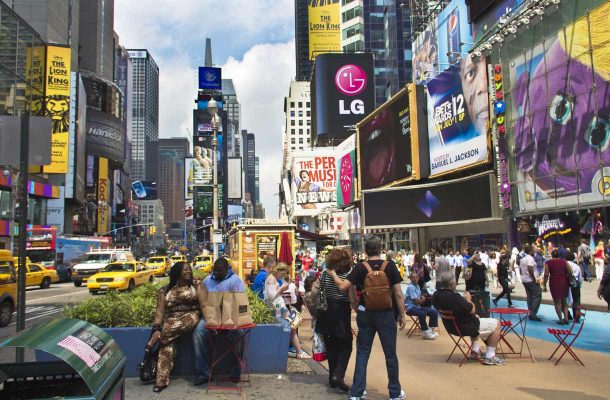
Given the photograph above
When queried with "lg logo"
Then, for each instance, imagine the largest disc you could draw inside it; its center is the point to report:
(351, 80)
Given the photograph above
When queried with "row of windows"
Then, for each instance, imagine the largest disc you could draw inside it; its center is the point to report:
(293, 131)
(292, 122)
(292, 104)
(292, 114)
(301, 141)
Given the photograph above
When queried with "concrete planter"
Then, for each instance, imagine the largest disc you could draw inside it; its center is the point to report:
(267, 350)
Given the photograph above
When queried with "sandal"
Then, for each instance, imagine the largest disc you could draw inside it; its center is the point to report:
(302, 356)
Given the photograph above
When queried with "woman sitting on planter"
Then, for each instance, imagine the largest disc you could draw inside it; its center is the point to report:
(273, 294)
(178, 312)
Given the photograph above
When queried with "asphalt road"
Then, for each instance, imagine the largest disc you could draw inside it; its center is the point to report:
(43, 305)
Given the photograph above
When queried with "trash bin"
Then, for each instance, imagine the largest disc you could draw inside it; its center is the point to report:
(89, 364)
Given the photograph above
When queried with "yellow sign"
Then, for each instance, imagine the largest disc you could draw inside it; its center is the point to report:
(34, 73)
(57, 105)
(102, 196)
(324, 27)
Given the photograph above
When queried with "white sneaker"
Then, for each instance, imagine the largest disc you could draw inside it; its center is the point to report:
(402, 396)
(363, 397)
(428, 335)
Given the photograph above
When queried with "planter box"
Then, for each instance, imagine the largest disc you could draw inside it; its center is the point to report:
(267, 350)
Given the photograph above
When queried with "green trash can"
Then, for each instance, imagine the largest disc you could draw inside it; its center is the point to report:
(89, 364)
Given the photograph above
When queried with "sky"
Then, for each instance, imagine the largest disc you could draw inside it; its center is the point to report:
(253, 42)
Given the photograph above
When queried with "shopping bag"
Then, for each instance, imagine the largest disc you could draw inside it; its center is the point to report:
(227, 311)
(212, 311)
(241, 309)
(318, 347)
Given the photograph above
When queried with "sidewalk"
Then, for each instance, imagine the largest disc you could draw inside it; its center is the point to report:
(301, 382)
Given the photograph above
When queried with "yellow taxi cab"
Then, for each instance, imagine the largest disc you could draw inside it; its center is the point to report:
(120, 275)
(203, 262)
(8, 288)
(175, 259)
(36, 274)
(160, 265)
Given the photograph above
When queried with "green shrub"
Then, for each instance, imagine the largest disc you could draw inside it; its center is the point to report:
(137, 308)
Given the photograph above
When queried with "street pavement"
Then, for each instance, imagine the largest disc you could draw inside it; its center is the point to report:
(42, 305)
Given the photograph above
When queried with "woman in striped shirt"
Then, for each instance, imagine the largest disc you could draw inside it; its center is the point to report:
(336, 323)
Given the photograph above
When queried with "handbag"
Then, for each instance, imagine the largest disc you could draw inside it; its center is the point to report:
(294, 317)
(468, 273)
(148, 366)
(511, 285)
(319, 303)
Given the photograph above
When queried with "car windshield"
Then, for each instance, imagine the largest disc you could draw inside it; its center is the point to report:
(176, 257)
(96, 258)
(202, 258)
(155, 259)
(119, 268)
(5, 267)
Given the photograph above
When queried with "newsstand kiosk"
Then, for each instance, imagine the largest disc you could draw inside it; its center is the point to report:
(89, 364)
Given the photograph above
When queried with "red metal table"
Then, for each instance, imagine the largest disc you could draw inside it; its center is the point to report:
(232, 350)
(518, 328)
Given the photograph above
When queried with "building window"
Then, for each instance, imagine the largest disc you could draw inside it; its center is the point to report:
(308, 122)
(308, 104)
(300, 140)
(308, 113)
(300, 114)
(293, 131)
(300, 122)
(292, 113)
(300, 104)
(300, 131)
(292, 104)
(292, 122)
(293, 141)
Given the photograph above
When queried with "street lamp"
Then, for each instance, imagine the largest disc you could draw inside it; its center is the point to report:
(213, 109)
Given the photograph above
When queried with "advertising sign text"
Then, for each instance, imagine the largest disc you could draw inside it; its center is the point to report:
(324, 27)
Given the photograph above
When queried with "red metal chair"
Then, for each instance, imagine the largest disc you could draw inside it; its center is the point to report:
(567, 337)
(451, 326)
(414, 326)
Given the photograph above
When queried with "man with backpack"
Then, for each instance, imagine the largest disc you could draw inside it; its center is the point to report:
(379, 308)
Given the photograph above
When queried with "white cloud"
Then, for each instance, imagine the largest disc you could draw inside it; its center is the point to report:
(262, 79)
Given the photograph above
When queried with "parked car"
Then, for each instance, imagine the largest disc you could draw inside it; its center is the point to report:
(175, 259)
(8, 288)
(120, 275)
(36, 274)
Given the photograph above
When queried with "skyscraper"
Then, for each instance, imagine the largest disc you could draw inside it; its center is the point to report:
(233, 110)
(57, 21)
(257, 190)
(145, 117)
(170, 184)
(301, 39)
(249, 164)
(297, 108)
(97, 40)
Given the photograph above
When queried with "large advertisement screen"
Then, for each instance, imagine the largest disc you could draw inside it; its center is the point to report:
(105, 135)
(458, 117)
(384, 140)
(103, 195)
(345, 158)
(343, 93)
(313, 181)
(429, 204)
(57, 106)
(559, 108)
(324, 27)
(234, 172)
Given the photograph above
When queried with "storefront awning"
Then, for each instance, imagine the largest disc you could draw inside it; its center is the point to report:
(305, 235)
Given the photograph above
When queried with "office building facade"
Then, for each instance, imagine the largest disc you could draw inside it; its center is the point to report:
(145, 116)
(97, 39)
(301, 40)
(233, 109)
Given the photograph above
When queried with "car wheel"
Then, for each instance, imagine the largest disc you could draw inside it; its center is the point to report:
(131, 286)
(6, 313)
(93, 292)
(78, 283)
(150, 280)
(46, 283)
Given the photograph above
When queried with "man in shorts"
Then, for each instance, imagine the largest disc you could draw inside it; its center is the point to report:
(469, 324)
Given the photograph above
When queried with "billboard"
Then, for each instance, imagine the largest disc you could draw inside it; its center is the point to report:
(558, 110)
(487, 21)
(57, 105)
(105, 135)
(458, 117)
(197, 171)
(204, 202)
(188, 210)
(313, 181)
(234, 213)
(210, 78)
(425, 54)
(389, 142)
(103, 195)
(429, 204)
(234, 170)
(343, 92)
(345, 159)
(324, 27)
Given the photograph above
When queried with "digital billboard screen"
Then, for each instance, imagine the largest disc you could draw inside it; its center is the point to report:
(429, 204)
(343, 93)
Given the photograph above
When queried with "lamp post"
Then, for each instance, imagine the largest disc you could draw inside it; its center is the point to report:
(213, 109)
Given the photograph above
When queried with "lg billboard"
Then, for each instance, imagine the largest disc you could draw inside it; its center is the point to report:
(343, 93)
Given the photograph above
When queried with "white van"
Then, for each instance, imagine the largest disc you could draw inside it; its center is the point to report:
(95, 260)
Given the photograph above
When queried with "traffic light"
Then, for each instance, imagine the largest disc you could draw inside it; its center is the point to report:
(152, 230)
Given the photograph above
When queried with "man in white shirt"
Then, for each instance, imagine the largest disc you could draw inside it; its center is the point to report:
(484, 258)
(533, 291)
(451, 259)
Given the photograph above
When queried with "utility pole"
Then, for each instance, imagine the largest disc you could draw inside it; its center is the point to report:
(23, 220)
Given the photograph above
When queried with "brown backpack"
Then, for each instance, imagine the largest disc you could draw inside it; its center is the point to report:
(377, 294)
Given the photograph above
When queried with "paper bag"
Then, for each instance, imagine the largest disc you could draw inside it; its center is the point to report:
(228, 320)
(242, 309)
(212, 311)
(235, 310)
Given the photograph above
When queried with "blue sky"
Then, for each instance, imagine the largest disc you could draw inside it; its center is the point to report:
(253, 41)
